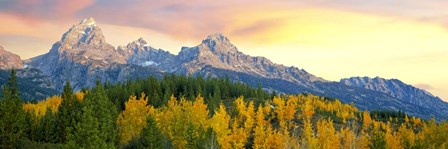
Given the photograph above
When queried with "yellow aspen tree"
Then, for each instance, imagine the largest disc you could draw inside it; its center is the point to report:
(366, 120)
(80, 96)
(393, 139)
(275, 139)
(198, 113)
(133, 119)
(238, 136)
(176, 122)
(39, 109)
(344, 115)
(260, 133)
(362, 142)
(243, 123)
(249, 118)
(264, 135)
(406, 119)
(285, 113)
(28, 107)
(408, 136)
(308, 110)
(220, 124)
(290, 112)
(308, 140)
(291, 107)
(267, 107)
(348, 138)
(279, 110)
(416, 121)
(326, 134)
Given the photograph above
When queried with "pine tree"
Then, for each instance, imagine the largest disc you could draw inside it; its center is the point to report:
(105, 113)
(151, 137)
(68, 113)
(86, 132)
(13, 117)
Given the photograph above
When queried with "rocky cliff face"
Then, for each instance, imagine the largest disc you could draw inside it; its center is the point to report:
(9, 60)
(140, 53)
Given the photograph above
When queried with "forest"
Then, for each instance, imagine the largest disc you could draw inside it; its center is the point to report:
(196, 112)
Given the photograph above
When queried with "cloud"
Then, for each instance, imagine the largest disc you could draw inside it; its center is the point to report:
(198, 18)
(34, 10)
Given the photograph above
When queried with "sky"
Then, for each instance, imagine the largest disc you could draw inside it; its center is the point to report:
(404, 39)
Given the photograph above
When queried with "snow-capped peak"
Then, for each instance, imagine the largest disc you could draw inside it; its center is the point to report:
(88, 22)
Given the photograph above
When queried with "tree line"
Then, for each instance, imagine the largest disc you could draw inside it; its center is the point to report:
(196, 112)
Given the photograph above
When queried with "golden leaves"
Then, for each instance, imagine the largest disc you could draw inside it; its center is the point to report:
(133, 119)
(40, 108)
(327, 135)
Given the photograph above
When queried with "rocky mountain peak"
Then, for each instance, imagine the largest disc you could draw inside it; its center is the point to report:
(218, 43)
(135, 47)
(140, 42)
(9, 60)
(85, 33)
(88, 22)
(217, 38)
(83, 44)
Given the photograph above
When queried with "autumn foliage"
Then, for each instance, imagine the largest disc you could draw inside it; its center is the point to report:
(283, 122)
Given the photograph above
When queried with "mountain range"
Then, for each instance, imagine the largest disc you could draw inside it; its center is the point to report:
(83, 56)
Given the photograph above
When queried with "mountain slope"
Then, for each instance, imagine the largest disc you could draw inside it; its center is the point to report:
(399, 90)
(9, 60)
(33, 84)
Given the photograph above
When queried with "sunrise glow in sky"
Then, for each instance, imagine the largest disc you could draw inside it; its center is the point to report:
(404, 39)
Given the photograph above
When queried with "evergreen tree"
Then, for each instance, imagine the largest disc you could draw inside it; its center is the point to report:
(94, 125)
(47, 130)
(86, 132)
(105, 113)
(68, 113)
(152, 137)
(260, 92)
(191, 137)
(12, 116)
